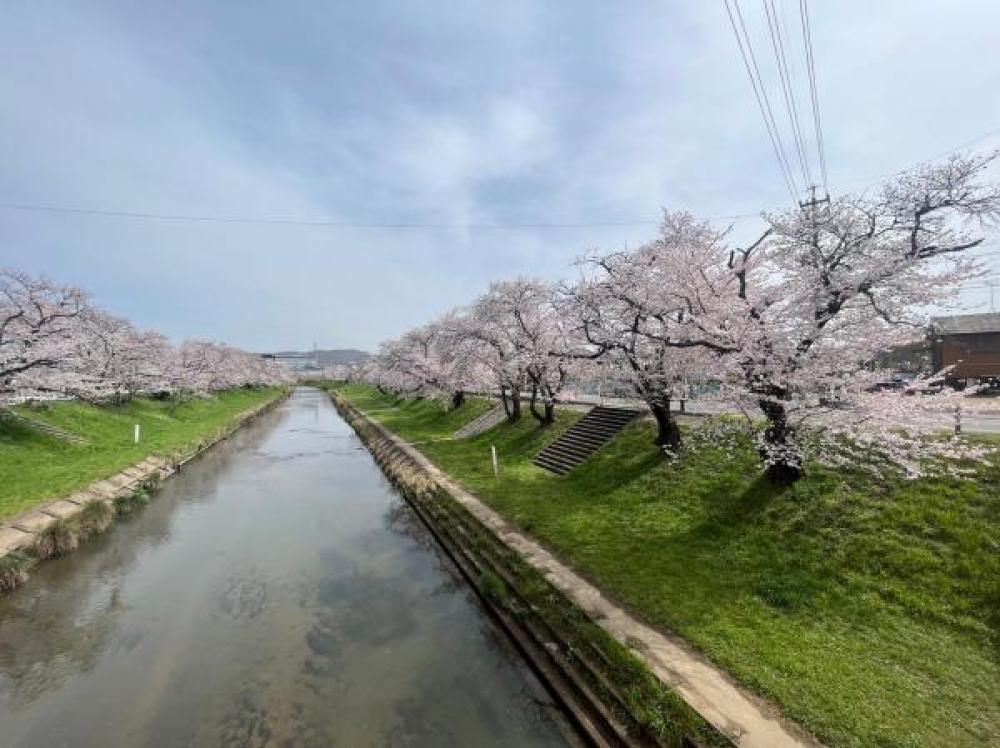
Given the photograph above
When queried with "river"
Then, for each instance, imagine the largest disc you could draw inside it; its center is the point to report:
(276, 592)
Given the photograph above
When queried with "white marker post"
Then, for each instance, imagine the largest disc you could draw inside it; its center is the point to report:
(136, 433)
(496, 467)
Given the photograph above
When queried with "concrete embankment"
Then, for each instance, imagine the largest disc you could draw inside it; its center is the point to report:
(604, 689)
(57, 527)
(686, 699)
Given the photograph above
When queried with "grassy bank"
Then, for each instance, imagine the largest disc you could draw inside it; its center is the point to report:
(869, 609)
(35, 467)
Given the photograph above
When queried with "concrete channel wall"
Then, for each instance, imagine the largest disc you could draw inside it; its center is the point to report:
(575, 659)
(20, 536)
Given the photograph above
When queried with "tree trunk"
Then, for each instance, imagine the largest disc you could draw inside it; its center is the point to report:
(511, 403)
(548, 414)
(458, 399)
(668, 433)
(784, 463)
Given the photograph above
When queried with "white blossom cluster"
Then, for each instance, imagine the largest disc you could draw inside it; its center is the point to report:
(54, 342)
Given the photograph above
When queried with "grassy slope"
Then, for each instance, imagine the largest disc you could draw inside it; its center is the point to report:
(416, 420)
(870, 610)
(34, 467)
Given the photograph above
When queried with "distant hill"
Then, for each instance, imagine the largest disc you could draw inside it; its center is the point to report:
(331, 356)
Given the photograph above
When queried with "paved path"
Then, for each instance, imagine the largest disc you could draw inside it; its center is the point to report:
(977, 418)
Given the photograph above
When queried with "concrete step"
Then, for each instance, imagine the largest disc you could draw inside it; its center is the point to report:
(598, 424)
(558, 459)
(552, 466)
(569, 451)
(606, 410)
(609, 413)
(482, 424)
(593, 433)
(46, 428)
(583, 439)
(601, 423)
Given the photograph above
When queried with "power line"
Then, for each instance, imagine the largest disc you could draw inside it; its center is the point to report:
(811, 67)
(761, 96)
(786, 87)
(312, 221)
(866, 181)
(764, 96)
(329, 222)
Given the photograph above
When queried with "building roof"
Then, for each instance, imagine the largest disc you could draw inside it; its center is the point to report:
(966, 324)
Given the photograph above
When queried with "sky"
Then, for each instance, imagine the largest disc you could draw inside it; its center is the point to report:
(394, 158)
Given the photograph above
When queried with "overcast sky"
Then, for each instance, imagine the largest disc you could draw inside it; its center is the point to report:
(444, 113)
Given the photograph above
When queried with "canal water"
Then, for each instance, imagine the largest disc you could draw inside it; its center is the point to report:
(277, 592)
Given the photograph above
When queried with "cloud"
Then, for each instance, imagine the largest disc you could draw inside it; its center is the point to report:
(525, 113)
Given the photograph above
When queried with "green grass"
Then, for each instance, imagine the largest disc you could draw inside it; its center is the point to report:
(35, 467)
(415, 420)
(869, 609)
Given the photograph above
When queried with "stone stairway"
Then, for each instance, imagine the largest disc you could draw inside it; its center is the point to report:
(484, 423)
(583, 439)
(54, 431)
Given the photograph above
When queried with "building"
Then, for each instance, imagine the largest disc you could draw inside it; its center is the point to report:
(318, 361)
(296, 362)
(970, 343)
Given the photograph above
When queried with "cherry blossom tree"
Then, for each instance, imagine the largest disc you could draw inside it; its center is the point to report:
(459, 369)
(405, 365)
(195, 368)
(631, 318)
(520, 335)
(38, 329)
(372, 371)
(543, 331)
(203, 367)
(52, 339)
(486, 329)
(433, 360)
(803, 311)
(114, 360)
(338, 373)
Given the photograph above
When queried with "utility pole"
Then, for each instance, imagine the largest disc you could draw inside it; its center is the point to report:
(812, 203)
(811, 206)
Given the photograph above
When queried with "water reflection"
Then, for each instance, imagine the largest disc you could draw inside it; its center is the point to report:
(277, 592)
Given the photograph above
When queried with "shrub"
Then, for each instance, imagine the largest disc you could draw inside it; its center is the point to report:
(58, 539)
(95, 518)
(492, 586)
(12, 573)
(137, 499)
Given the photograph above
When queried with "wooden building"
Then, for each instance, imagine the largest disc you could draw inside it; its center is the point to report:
(970, 342)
